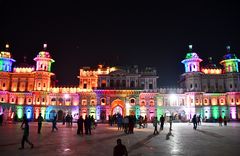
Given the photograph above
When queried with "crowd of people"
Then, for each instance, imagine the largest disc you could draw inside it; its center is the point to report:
(126, 124)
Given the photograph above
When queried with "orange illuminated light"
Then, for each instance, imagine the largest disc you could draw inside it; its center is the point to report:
(212, 71)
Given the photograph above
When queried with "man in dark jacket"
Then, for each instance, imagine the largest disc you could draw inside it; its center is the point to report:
(162, 119)
(120, 149)
(40, 120)
(80, 125)
(25, 135)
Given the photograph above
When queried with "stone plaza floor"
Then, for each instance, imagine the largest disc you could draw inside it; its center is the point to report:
(208, 139)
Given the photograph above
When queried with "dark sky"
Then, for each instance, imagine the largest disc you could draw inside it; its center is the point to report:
(147, 34)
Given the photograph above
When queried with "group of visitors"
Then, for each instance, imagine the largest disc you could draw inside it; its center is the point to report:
(162, 121)
(222, 120)
(89, 124)
(68, 119)
(142, 121)
(196, 120)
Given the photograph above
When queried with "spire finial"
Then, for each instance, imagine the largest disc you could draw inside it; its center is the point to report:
(190, 46)
(228, 48)
(45, 46)
(7, 46)
(24, 59)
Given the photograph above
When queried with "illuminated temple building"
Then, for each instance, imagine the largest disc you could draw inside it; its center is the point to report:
(208, 90)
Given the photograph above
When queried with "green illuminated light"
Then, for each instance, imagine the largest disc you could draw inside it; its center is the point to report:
(20, 112)
(215, 112)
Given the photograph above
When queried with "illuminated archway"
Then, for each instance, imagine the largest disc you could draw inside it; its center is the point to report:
(117, 106)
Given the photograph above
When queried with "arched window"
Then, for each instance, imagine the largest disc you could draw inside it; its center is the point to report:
(123, 83)
(103, 101)
(132, 101)
(143, 103)
(103, 83)
(151, 103)
(92, 102)
(84, 102)
(132, 84)
(118, 83)
(53, 99)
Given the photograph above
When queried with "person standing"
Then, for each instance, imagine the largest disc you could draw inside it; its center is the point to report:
(199, 120)
(162, 119)
(25, 135)
(54, 123)
(225, 121)
(170, 122)
(85, 125)
(194, 121)
(220, 120)
(155, 123)
(145, 121)
(80, 126)
(71, 120)
(40, 120)
(89, 125)
(1, 119)
(120, 149)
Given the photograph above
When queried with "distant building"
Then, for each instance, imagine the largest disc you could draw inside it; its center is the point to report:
(209, 91)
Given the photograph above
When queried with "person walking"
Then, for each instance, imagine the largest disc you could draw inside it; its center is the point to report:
(80, 126)
(24, 120)
(40, 120)
(162, 119)
(120, 149)
(194, 121)
(25, 135)
(155, 123)
(54, 123)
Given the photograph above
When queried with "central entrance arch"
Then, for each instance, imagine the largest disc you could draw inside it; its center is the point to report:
(117, 107)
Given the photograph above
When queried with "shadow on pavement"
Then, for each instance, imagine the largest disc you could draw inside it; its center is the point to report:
(168, 135)
(210, 133)
(140, 143)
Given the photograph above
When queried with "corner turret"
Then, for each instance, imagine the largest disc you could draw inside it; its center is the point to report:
(192, 61)
(6, 60)
(230, 62)
(43, 60)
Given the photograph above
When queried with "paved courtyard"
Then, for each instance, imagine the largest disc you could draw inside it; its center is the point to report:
(209, 139)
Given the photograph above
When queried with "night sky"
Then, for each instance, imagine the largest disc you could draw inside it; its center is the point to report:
(157, 35)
